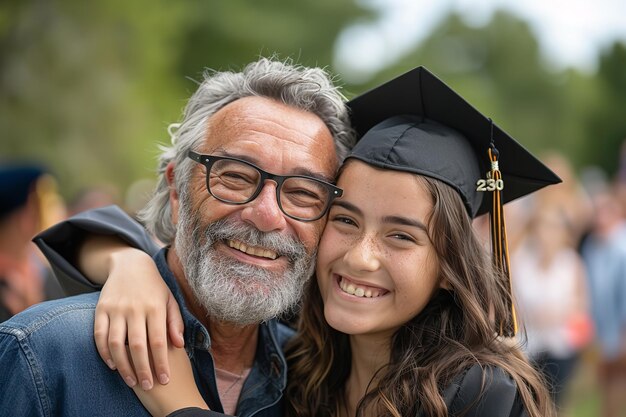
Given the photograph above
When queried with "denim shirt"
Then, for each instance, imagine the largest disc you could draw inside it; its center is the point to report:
(49, 365)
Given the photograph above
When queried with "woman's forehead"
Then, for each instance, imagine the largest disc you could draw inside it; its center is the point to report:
(374, 187)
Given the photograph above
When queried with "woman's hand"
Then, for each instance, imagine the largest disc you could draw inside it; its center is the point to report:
(136, 306)
(181, 392)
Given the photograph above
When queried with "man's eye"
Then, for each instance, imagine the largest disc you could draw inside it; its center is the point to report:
(236, 176)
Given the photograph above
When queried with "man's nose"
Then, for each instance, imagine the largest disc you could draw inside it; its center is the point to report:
(263, 212)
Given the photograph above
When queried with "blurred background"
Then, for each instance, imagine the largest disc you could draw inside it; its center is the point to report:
(87, 89)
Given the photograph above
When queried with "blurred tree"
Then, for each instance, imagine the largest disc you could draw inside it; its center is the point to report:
(606, 126)
(227, 35)
(90, 87)
(499, 69)
(81, 85)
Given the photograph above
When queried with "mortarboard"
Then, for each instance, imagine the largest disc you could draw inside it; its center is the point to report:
(434, 134)
(16, 182)
(416, 123)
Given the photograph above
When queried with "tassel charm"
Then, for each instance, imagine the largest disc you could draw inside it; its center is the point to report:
(500, 250)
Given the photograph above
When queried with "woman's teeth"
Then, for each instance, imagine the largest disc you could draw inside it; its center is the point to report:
(357, 290)
(252, 250)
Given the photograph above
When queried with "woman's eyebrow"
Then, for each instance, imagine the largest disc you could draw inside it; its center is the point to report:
(402, 220)
(348, 206)
(405, 221)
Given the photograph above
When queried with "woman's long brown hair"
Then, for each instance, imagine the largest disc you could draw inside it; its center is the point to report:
(454, 331)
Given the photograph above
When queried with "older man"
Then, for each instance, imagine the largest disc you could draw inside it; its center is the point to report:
(240, 202)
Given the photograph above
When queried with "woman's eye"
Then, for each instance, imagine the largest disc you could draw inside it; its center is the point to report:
(343, 220)
(403, 237)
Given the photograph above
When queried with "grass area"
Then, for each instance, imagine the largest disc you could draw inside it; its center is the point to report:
(583, 395)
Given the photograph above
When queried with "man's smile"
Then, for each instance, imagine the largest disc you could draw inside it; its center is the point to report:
(252, 250)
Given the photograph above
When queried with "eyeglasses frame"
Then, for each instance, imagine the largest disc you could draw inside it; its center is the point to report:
(209, 160)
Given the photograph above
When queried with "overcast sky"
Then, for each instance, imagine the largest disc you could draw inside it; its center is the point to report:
(570, 32)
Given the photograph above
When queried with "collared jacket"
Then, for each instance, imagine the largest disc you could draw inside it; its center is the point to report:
(485, 392)
(50, 366)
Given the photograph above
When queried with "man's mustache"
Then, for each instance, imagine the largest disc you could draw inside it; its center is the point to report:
(226, 229)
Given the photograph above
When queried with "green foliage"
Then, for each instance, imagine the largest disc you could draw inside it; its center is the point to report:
(500, 70)
(89, 87)
(229, 34)
(82, 86)
(606, 127)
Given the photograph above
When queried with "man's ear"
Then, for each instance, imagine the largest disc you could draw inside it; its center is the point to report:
(174, 200)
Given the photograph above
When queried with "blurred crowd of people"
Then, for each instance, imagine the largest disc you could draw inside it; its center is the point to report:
(567, 245)
(568, 268)
(26, 195)
(30, 203)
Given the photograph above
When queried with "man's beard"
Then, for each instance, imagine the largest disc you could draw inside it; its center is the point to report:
(231, 290)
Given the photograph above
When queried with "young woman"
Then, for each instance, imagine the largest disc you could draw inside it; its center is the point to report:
(407, 315)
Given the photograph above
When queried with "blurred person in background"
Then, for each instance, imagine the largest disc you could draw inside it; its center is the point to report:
(549, 281)
(93, 197)
(604, 252)
(549, 276)
(137, 196)
(25, 278)
(620, 177)
(569, 196)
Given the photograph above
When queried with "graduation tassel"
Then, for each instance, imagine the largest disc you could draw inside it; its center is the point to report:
(508, 325)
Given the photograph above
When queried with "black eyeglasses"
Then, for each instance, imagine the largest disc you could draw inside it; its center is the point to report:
(235, 181)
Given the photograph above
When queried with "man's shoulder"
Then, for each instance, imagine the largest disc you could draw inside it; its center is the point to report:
(53, 367)
(61, 315)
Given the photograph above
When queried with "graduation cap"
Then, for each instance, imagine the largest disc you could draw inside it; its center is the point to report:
(434, 134)
(416, 123)
(16, 182)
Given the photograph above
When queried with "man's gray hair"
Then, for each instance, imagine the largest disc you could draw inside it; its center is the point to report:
(309, 89)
